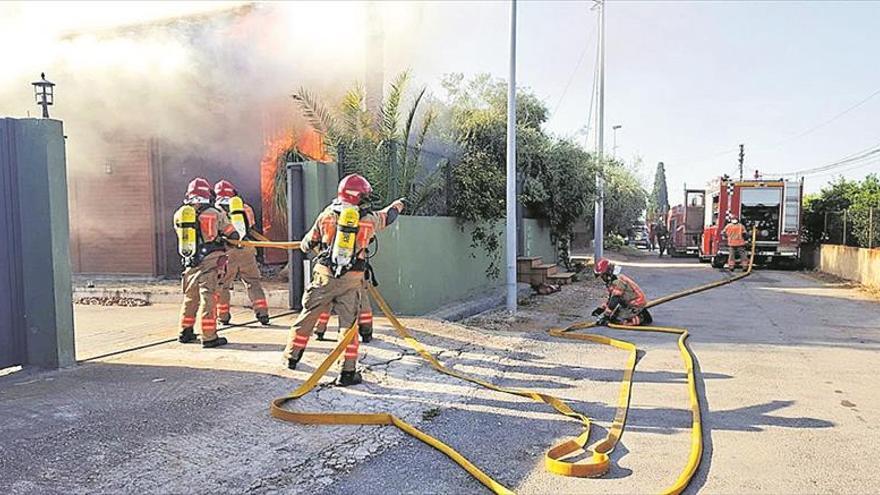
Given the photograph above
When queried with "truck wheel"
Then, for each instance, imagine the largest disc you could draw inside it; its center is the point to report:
(718, 262)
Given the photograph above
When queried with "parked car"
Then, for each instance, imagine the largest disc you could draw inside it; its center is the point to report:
(637, 236)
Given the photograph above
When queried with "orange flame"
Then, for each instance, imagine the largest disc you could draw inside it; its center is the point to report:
(309, 143)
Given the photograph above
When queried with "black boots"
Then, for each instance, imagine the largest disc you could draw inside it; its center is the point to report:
(187, 336)
(366, 333)
(292, 362)
(645, 317)
(225, 319)
(263, 319)
(347, 378)
(207, 344)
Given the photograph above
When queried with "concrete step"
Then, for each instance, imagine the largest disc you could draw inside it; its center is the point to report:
(525, 263)
(563, 278)
(546, 269)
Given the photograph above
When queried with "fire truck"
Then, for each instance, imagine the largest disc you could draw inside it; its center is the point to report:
(773, 206)
(686, 223)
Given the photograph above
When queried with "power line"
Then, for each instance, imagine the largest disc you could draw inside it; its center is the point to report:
(856, 166)
(792, 138)
(858, 158)
(573, 73)
(595, 90)
(823, 124)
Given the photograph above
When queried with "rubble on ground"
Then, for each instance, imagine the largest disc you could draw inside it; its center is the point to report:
(130, 302)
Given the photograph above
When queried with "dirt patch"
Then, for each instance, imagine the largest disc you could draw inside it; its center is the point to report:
(539, 313)
(843, 283)
(131, 302)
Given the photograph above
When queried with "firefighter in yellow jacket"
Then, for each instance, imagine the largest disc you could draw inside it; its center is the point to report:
(201, 231)
(242, 260)
(341, 234)
(626, 300)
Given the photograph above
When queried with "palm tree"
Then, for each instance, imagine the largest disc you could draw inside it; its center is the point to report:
(377, 146)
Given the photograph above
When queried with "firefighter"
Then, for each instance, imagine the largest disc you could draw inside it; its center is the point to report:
(736, 243)
(242, 260)
(341, 234)
(662, 234)
(365, 319)
(201, 230)
(626, 300)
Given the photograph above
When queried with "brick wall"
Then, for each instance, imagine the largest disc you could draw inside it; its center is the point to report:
(112, 211)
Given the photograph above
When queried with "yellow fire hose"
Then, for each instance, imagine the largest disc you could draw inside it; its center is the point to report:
(556, 460)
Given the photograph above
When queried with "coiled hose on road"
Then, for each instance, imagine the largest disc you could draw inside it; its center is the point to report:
(559, 459)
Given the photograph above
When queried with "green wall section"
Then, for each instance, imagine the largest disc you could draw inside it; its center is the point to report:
(424, 263)
(537, 240)
(45, 242)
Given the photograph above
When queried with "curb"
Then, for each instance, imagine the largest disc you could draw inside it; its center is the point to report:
(460, 310)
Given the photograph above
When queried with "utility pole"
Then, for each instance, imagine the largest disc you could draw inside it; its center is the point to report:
(511, 168)
(742, 156)
(598, 220)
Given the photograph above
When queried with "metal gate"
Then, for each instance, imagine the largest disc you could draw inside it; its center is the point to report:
(12, 350)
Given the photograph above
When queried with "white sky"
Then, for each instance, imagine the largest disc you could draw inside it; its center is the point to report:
(687, 80)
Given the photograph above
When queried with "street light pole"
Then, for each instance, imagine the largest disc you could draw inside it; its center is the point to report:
(511, 167)
(598, 221)
(614, 129)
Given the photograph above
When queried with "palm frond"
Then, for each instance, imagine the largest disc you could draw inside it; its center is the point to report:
(317, 114)
(389, 113)
(407, 130)
(420, 195)
(279, 182)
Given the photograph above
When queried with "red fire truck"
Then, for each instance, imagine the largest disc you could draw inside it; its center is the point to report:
(773, 206)
(686, 223)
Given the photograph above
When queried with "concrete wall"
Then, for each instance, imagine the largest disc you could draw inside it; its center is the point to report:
(424, 263)
(859, 264)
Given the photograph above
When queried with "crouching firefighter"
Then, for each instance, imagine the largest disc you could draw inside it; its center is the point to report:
(242, 260)
(341, 234)
(201, 233)
(626, 300)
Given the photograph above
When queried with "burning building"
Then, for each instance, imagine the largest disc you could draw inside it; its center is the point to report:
(148, 106)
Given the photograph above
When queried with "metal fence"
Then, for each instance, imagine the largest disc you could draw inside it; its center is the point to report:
(858, 227)
(427, 180)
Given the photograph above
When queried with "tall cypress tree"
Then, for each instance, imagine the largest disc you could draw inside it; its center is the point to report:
(659, 203)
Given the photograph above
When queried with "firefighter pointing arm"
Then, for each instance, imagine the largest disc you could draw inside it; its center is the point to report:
(626, 300)
(340, 235)
(201, 231)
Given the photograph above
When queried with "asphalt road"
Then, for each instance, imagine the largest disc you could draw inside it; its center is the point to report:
(787, 370)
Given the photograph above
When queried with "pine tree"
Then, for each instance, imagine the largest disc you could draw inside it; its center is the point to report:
(659, 202)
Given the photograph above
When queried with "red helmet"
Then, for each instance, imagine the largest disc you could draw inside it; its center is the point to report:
(353, 189)
(198, 191)
(603, 266)
(224, 190)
